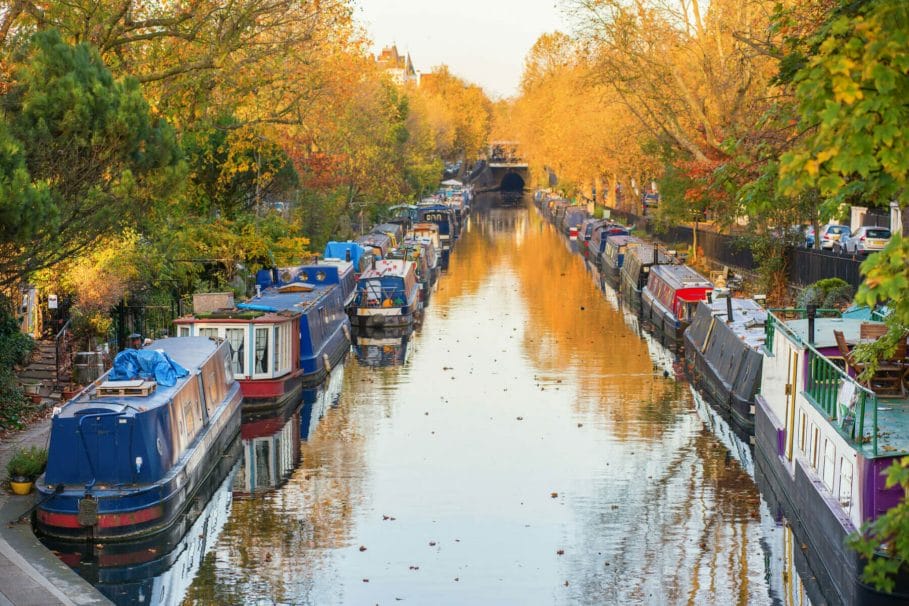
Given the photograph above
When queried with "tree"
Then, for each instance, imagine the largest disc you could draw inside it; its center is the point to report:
(83, 152)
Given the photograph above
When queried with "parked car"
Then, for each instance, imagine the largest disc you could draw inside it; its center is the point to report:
(863, 241)
(831, 234)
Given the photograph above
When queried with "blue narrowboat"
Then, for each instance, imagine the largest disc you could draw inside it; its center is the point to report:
(386, 295)
(597, 245)
(128, 455)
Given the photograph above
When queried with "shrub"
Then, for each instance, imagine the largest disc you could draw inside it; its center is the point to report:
(15, 349)
(829, 293)
(27, 462)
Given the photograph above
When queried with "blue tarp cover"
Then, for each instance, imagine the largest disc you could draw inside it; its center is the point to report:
(146, 364)
(338, 250)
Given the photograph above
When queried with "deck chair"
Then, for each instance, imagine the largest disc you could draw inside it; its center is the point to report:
(846, 353)
(872, 330)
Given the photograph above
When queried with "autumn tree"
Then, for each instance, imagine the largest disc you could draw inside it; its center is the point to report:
(83, 156)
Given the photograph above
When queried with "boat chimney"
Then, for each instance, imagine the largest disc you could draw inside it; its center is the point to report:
(729, 307)
(258, 290)
(812, 314)
(656, 255)
(347, 255)
(373, 261)
(709, 297)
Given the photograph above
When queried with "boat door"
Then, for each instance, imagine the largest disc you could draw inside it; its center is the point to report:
(791, 391)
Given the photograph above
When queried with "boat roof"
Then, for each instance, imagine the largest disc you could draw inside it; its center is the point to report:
(681, 276)
(748, 318)
(823, 330)
(389, 268)
(272, 299)
(644, 251)
(189, 352)
(621, 240)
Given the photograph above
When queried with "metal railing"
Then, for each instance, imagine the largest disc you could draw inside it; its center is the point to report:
(389, 298)
(61, 350)
(824, 383)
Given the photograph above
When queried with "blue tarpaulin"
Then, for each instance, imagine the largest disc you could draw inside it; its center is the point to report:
(146, 364)
(338, 250)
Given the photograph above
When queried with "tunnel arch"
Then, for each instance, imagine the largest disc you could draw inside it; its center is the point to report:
(512, 182)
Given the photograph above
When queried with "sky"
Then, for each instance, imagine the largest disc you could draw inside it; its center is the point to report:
(482, 41)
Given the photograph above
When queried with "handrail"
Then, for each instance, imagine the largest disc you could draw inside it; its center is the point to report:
(773, 320)
(58, 339)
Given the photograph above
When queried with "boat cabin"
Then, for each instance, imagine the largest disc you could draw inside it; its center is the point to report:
(678, 288)
(378, 244)
(394, 231)
(614, 253)
(443, 217)
(360, 257)
(429, 231)
(637, 263)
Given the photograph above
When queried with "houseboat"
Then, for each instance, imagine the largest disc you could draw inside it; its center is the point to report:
(598, 238)
(443, 218)
(430, 251)
(128, 455)
(386, 295)
(394, 231)
(670, 298)
(635, 271)
(572, 220)
(414, 252)
(377, 244)
(613, 256)
(823, 441)
(404, 215)
(723, 355)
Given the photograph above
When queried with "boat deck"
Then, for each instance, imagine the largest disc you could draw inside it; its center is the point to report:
(892, 426)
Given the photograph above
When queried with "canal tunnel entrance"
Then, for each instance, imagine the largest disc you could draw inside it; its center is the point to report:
(512, 182)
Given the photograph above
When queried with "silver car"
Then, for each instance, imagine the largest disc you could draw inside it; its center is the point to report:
(863, 241)
(831, 234)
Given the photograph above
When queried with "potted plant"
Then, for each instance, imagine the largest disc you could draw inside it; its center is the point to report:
(69, 391)
(26, 465)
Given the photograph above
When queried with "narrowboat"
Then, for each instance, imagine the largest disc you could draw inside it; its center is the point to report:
(377, 244)
(823, 441)
(597, 244)
(572, 220)
(321, 292)
(723, 355)
(358, 256)
(428, 231)
(157, 569)
(386, 295)
(430, 252)
(444, 219)
(414, 253)
(635, 271)
(263, 385)
(613, 256)
(128, 455)
(670, 298)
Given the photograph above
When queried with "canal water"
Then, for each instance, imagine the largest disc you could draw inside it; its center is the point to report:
(527, 445)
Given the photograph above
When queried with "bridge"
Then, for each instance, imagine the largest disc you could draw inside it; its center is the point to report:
(505, 170)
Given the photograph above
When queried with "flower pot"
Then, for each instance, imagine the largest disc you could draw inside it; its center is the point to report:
(20, 485)
(69, 394)
(35, 398)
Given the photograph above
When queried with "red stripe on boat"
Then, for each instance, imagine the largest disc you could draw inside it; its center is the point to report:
(58, 520)
(114, 520)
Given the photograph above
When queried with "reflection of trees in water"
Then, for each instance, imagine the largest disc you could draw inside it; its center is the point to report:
(274, 545)
(574, 331)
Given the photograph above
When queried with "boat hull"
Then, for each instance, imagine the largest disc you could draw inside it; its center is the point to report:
(815, 519)
(130, 513)
(662, 323)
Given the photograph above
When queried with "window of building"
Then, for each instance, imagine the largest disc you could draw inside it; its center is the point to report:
(208, 332)
(183, 331)
(237, 339)
(278, 349)
(803, 433)
(815, 446)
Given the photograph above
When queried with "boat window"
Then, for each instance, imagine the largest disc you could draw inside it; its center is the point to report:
(320, 276)
(183, 331)
(803, 433)
(845, 491)
(237, 339)
(278, 349)
(304, 276)
(228, 367)
(261, 358)
(829, 464)
(211, 333)
(815, 445)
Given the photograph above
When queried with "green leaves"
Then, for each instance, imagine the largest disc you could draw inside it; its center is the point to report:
(852, 99)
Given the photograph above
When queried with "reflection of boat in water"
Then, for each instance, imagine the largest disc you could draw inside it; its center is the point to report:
(382, 347)
(785, 566)
(271, 445)
(158, 570)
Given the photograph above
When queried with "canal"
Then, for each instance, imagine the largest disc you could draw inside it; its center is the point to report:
(527, 445)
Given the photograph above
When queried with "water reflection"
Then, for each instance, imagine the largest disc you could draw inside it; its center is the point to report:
(158, 570)
(388, 347)
(533, 449)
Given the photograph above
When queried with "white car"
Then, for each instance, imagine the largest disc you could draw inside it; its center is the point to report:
(863, 241)
(831, 234)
